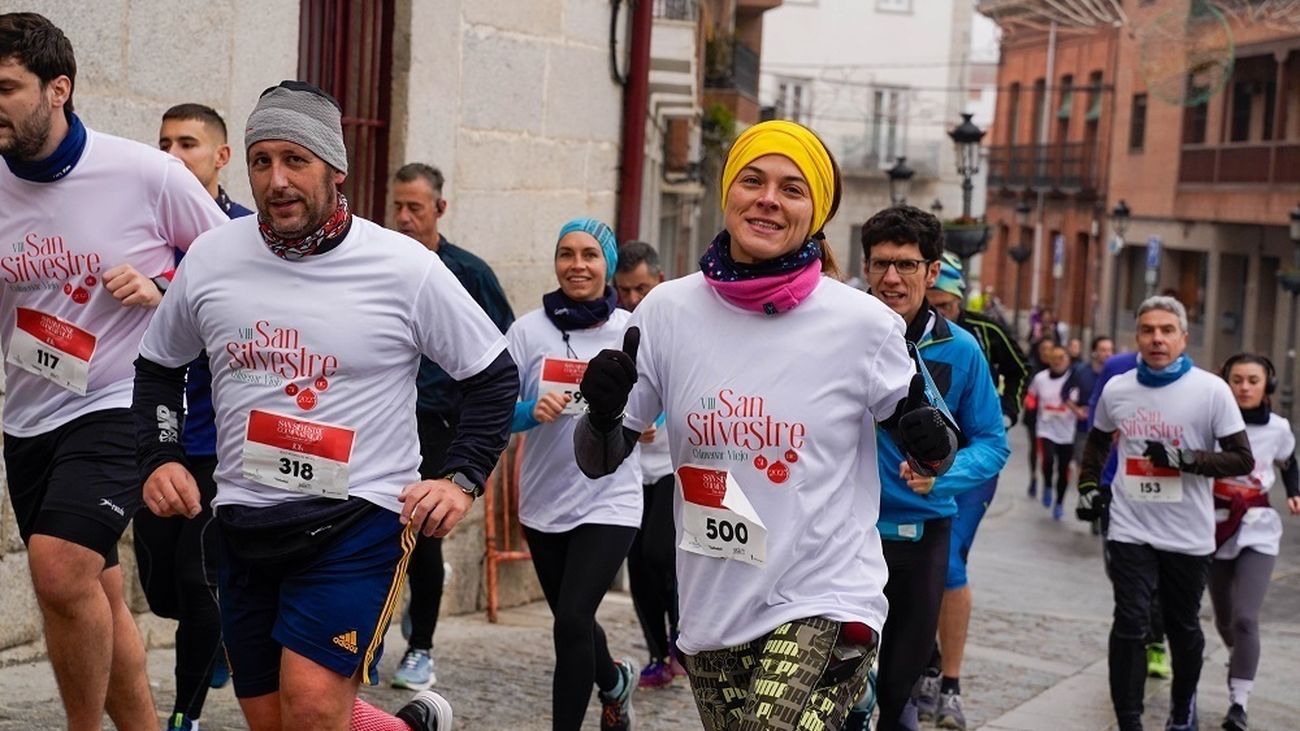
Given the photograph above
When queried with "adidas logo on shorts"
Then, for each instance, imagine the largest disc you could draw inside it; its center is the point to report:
(347, 640)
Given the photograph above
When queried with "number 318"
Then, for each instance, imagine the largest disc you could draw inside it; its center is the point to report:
(295, 468)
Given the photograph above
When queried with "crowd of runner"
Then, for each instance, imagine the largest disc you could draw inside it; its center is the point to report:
(296, 405)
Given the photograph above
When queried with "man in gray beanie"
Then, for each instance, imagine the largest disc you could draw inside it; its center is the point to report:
(316, 321)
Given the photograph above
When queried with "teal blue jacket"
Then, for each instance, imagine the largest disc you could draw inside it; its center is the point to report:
(961, 373)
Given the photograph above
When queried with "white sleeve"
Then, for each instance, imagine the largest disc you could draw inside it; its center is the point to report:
(891, 372)
(450, 327)
(1226, 414)
(645, 402)
(185, 209)
(1286, 444)
(517, 344)
(173, 338)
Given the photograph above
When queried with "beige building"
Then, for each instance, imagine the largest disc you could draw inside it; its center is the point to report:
(513, 99)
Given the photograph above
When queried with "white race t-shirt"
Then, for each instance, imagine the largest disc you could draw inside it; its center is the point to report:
(1170, 512)
(1056, 422)
(123, 203)
(554, 495)
(656, 457)
(785, 408)
(322, 351)
(1261, 528)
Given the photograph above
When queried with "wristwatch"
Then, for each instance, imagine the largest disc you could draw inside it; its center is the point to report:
(162, 283)
(466, 485)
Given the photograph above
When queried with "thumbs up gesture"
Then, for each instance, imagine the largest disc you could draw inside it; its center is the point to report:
(610, 377)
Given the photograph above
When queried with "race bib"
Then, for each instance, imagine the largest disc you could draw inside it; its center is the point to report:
(298, 455)
(564, 375)
(717, 519)
(52, 348)
(1146, 483)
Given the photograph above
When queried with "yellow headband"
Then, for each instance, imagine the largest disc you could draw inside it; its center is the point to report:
(779, 137)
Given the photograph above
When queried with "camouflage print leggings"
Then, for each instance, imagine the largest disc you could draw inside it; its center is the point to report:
(800, 677)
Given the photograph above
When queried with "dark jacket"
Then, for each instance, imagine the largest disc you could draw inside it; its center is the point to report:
(1006, 362)
(437, 394)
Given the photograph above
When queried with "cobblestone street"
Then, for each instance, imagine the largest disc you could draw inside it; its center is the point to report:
(1036, 659)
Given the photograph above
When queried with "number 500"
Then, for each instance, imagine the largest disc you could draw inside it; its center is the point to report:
(725, 530)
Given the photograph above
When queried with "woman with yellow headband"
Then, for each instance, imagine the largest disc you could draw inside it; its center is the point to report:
(773, 378)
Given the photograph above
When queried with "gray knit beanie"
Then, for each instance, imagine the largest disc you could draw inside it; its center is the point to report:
(301, 113)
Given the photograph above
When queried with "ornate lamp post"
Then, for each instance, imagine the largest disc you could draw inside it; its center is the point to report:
(1020, 254)
(900, 180)
(937, 208)
(1290, 281)
(966, 137)
(1119, 220)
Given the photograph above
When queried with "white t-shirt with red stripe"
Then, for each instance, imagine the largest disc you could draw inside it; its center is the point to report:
(314, 361)
(774, 417)
(1056, 423)
(554, 495)
(69, 345)
(1261, 528)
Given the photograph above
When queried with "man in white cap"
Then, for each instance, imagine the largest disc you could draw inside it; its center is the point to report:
(315, 321)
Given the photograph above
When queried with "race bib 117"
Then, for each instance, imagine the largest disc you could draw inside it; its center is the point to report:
(52, 348)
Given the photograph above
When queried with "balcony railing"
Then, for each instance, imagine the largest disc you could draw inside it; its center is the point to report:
(732, 65)
(1243, 162)
(676, 9)
(1067, 167)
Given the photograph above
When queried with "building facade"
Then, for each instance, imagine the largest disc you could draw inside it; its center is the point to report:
(853, 71)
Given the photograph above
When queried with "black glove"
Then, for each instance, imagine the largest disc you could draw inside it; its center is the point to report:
(1163, 455)
(1094, 502)
(1009, 418)
(924, 434)
(609, 379)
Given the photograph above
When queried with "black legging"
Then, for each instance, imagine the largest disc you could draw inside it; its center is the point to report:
(917, 570)
(1030, 420)
(177, 563)
(575, 569)
(652, 569)
(425, 566)
(1056, 458)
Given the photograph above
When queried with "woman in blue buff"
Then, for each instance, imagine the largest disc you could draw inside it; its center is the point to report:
(773, 378)
(579, 530)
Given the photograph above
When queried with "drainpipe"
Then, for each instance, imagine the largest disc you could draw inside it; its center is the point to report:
(636, 99)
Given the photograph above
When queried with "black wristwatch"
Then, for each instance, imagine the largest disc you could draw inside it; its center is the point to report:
(162, 283)
(466, 485)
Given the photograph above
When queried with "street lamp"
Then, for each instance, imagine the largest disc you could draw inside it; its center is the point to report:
(1119, 219)
(900, 177)
(966, 137)
(1020, 254)
(1290, 280)
(937, 208)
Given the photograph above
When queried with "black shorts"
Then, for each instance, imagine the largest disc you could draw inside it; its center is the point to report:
(78, 482)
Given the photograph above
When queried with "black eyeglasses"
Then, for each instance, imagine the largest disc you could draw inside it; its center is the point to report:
(902, 266)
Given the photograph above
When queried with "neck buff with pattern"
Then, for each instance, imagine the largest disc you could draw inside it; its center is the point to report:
(60, 162)
(329, 235)
(568, 314)
(770, 287)
(1157, 377)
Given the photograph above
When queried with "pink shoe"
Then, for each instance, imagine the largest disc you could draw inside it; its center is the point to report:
(655, 675)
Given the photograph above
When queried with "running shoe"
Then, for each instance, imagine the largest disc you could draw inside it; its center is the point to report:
(950, 713)
(1158, 661)
(426, 711)
(925, 696)
(220, 671)
(1058, 511)
(616, 711)
(1047, 496)
(1190, 725)
(1236, 719)
(907, 719)
(655, 675)
(182, 722)
(415, 671)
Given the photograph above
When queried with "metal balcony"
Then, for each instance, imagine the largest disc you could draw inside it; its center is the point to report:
(1069, 167)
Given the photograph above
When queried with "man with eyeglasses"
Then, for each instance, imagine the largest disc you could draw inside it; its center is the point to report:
(902, 247)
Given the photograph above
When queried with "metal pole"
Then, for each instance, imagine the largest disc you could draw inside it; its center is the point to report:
(1020, 265)
(1041, 150)
(1288, 384)
(967, 189)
